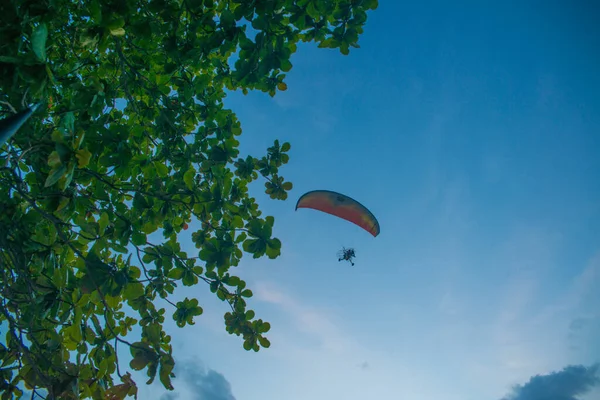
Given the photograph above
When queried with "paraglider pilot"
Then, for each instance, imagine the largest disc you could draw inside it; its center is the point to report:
(346, 255)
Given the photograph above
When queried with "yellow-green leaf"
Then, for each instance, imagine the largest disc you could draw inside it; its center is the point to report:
(88, 41)
(112, 301)
(50, 74)
(64, 183)
(83, 157)
(57, 136)
(74, 333)
(80, 140)
(117, 32)
(118, 392)
(133, 291)
(161, 169)
(64, 201)
(54, 159)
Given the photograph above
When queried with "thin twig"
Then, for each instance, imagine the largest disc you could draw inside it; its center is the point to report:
(6, 103)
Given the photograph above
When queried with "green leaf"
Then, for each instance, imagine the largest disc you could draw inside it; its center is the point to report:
(140, 202)
(64, 201)
(153, 333)
(103, 368)
(176, 273)
(286, 65)
(186, 311)
(54, 159)
(55, 175)
(264, 342)
(102, 223)
(10, 60)
(233, 281)
(188, 178)
(255, 246)
(138, 238)
(68, 177)
(161, 169)
(237, 222)
(345, 49)
(141, 360)
(119, 248)
(198, 270)
(188, 278)
(273, 249)
(134, 290)
(68, 122)
(265, 327)
(79, 140)
(211, 274)
(167, 364)
(38, 41)
(371, 4)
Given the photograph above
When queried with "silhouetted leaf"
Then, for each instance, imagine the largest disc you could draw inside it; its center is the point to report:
(38, 41)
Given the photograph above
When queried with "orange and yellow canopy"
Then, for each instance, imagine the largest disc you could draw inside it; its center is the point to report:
(341, 206)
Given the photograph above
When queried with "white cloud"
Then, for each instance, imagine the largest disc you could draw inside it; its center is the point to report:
(314, 323)
(586, 283)
(568, 384)
(533, 339)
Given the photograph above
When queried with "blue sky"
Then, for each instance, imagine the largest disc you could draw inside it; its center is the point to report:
(473, 134)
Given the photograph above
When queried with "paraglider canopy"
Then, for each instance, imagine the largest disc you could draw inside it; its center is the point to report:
(341, 206)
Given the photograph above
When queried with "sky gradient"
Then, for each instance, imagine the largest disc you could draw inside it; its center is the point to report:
(473, 135)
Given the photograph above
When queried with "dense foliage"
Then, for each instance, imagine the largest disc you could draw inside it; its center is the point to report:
(133, 139)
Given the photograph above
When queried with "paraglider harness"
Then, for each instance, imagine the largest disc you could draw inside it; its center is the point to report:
(346, 255)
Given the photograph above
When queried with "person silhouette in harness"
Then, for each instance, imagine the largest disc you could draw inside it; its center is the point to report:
(346, 255)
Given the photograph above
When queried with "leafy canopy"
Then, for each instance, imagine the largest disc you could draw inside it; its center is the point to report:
(134, 140)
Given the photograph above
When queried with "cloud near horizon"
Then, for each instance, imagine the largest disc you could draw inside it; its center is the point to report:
(195, 382)
(567, 384)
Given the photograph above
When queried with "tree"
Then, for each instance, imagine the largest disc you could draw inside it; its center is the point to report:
(134, 142)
